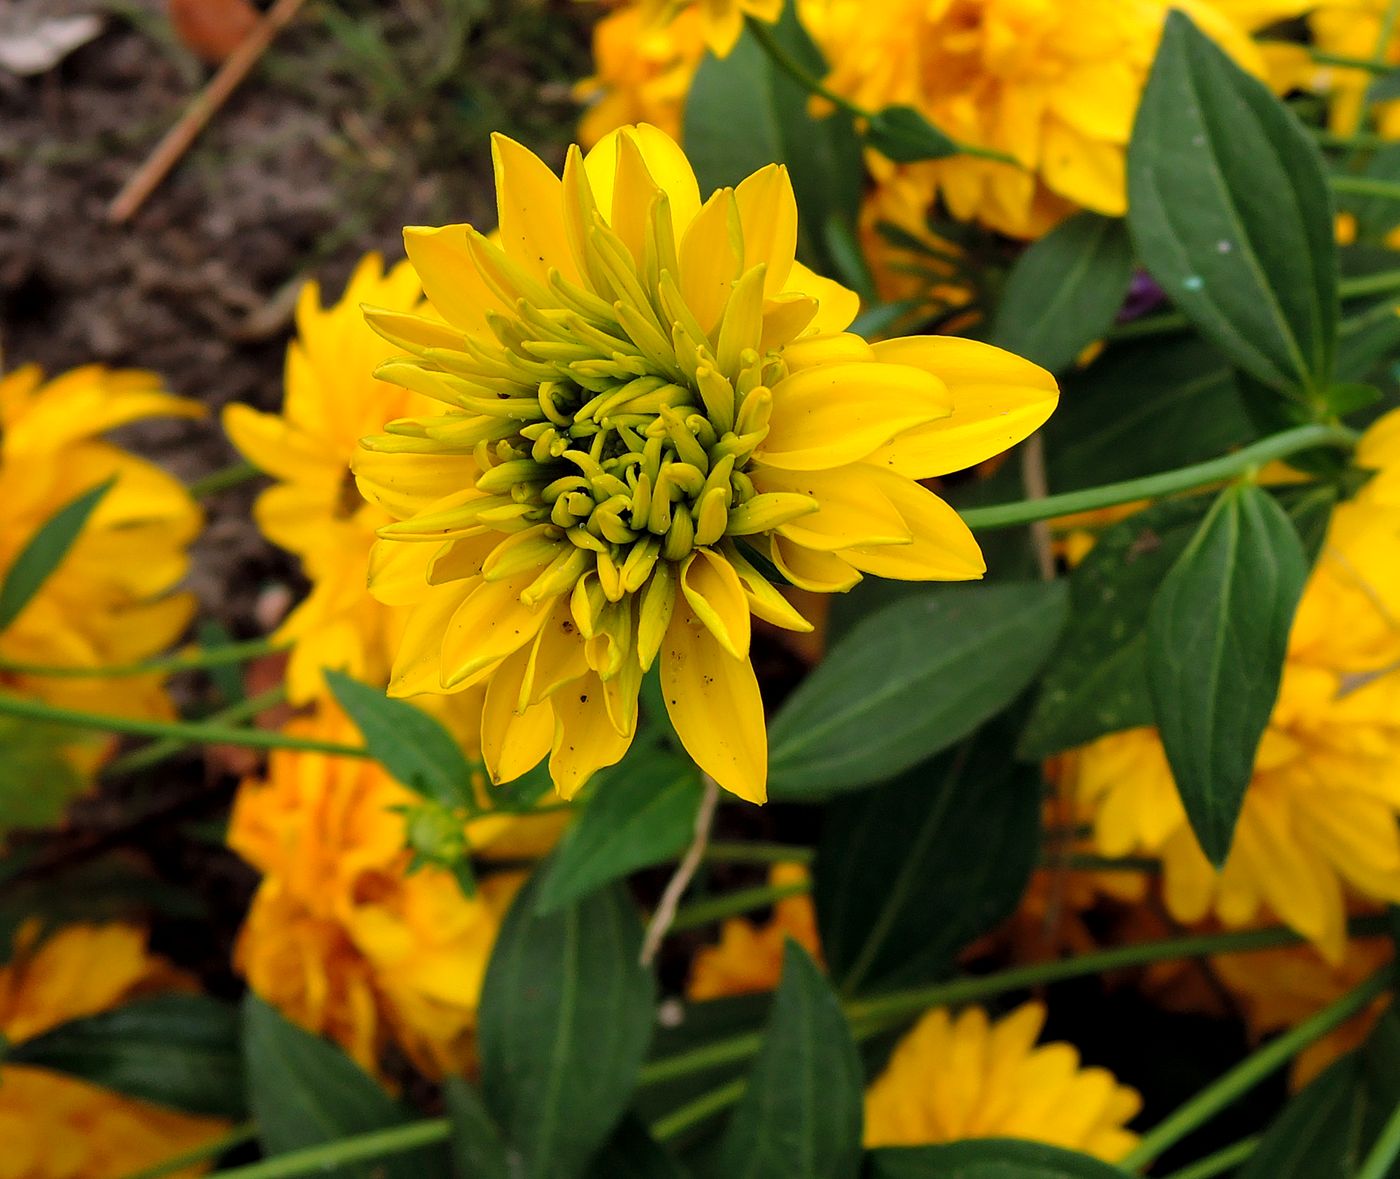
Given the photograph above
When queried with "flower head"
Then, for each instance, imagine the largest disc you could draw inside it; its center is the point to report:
(342, 937)
(965, 1076)
(55, 1126)
(108, 602)
(313, 510)
(1053, 83)
(721, 21)
(645, 398)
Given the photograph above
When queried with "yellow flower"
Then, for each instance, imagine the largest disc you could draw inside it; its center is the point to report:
(58, 1127)
(721, 21)
(642, 72)
(749, 957)
(341, 937)
(108, 602)
(1319, 818)
(638, 392)
(1353, 28)
(1053, 83)
(331, 401)
(968, 1077)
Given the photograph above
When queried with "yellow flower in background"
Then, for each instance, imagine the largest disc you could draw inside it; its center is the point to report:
(331, 400)
(642, 72)
(1053, 83)
(58, 1127)
(109, 601)
(638, 390)
(721, 21)
(749, 957)
(1354, 28)
(966, 1076)
(1319, 818)
(341, 937)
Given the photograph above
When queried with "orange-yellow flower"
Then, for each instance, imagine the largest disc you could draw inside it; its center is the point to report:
(55, 1126)
(638, 390)
(966, 1076)
(342, 937)
(721, 21)
(331, 400)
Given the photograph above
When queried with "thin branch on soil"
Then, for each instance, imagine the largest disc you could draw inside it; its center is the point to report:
(1037, 487)
(685, 871)
(202, 108)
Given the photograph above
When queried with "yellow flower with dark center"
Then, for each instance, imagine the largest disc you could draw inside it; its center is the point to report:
(645, 398)
(331, 401)
(965, 1076)
(55, 1126)
(108, 602)
(1319, 818)
(721, 21)
(341, 936)
(1052, 83)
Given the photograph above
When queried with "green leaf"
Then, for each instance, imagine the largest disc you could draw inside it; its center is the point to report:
(1217, 634)
(477, 1149)
(987, 1158)
(1065, 290)
(175, 1050)
(632, 1153)
(642, 813)
(801, 1113)
(911, 680)
(37, 776)
(566, 1013)
(823, 156)
(1229, 208)
(903, 135)
(969, 820)
(1096, 682)
(414, 747)
(45, 550)
(1328, 1128)
(303, 1091)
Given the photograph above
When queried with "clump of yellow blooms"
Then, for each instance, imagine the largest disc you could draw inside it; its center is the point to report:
(342, 937)
(638, 391)
(1051, 84)
(109, 601)
(1319, 818)
(58, 1127)
(721, 21)
(966, 1076)
(331, 400)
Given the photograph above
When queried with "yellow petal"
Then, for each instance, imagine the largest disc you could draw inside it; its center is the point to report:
(822, 573)
(851, 509)
(840, 413)
(715, 706)
(837, 305)
(530, 205)
(584, 739)
(717, 598)
(768, 214)
(513, 743)
(398, 572)
(942, 548)
(451, 282)
(711, 258)
(405, 485)
(416, 666)
(664, 160)
(998, 400)
(275, 446)
(490, 624)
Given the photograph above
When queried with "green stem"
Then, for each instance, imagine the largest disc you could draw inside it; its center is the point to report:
(1010, 515)
(757, 853)
(1228, 1089)
(1341, 59)
(731, 904)
(1383, 282)
(188, 731)
(377, 1145)
(1381, 1159)
(695, 1112)
(158, 751)
(200, 1154)
(223, 479)
(169, 664)
(1218, 1163)
(1362, 139)
(1365, 186)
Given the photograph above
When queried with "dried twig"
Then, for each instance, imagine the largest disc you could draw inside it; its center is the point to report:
(201, 109)
(1034, 481)
(685, 872)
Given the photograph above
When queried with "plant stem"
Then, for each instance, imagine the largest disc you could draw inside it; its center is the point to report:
(665, 914)
(188, 731)
(1384, 1152)
(1365, 186)
(1009, 515)
(1383, 282)
(223, 479)
(158, 751)
(757, 853)
(1218, 1163)
(169, 664)
(1340, 59)
(200, 1154)
(376, 1145)
(1228, 1089)
(730, 904)
(695, 1112)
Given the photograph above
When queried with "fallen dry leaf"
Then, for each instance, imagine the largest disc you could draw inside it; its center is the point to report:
(33, 40)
